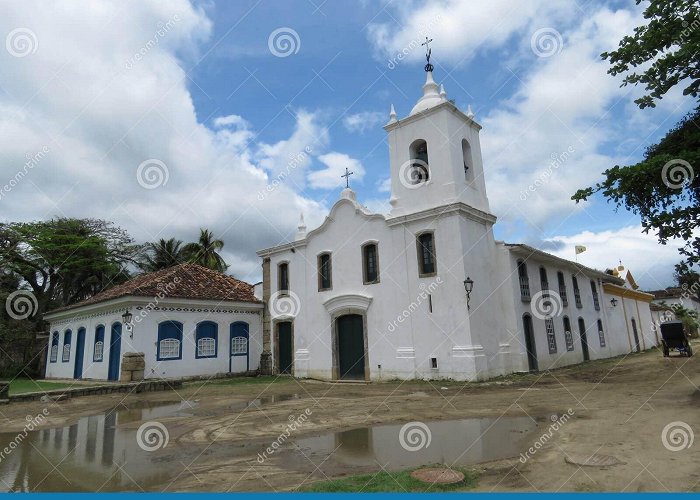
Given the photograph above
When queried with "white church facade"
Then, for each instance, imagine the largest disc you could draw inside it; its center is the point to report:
(426, 291)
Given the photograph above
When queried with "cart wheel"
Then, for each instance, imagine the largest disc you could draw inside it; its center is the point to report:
(666, 352)
(689, 351)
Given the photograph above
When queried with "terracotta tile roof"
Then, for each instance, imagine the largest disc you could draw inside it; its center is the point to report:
(184, 281)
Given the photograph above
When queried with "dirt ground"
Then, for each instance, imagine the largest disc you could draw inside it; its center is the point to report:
(619, 407)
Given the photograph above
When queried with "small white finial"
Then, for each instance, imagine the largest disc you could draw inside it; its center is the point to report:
(301, 228)
(470, 113)
(392, 115)
(443, 94)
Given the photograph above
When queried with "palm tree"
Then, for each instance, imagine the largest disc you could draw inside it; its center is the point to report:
(162, 254)
(206, 251)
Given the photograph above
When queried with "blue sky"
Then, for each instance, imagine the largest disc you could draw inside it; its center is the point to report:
(209, 99)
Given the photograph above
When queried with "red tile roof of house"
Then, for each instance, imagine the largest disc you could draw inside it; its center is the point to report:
(184, 281)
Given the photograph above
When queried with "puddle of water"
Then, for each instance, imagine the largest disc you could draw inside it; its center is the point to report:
(92, 454)
(98, 453)
(460, 442)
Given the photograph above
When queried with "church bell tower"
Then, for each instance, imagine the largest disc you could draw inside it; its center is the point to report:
(435, 154)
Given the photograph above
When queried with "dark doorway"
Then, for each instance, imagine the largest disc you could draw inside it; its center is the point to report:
(584, 339)
(530, 343)
(284, 347)
(351, 347)
(636, 336)
(79, 354)
(115, 348)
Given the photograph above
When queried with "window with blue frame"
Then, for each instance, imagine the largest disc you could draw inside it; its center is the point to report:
(169, 340)
(239, 339)
(54, 348)
(206, 336)
(66, 345)
(98, 351)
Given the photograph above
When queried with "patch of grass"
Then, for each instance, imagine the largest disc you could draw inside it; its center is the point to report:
(383, 481)
(23, 385)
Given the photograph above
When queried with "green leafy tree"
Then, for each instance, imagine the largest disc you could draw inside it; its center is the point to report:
(206, 251)
(663, 188)
(162, 254)
(52, 263)
(662, 53)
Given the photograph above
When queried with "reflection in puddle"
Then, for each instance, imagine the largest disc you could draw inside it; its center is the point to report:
(100, 453)
(94, 454)
(459, 442)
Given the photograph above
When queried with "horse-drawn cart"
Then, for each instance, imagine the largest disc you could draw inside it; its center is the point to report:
(674, 337)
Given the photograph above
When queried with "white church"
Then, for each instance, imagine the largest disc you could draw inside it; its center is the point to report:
(425, 292)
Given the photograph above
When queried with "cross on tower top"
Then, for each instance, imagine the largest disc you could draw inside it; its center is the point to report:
(428, 53)
(347, 177)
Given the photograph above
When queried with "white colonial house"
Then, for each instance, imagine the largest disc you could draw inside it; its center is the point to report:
(187, 320)
(426, 291)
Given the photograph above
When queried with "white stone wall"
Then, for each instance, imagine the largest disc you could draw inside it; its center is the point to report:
(145, 336)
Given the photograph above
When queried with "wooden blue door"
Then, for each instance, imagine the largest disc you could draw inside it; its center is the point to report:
(115, 347)
(239, 360)
(79, 354)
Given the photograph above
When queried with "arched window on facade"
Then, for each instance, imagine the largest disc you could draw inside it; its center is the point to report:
(426, 254)
(370, 264)
(207, 339)
(99, 349)
(524, 280)
(544, 282)
(54, 347)
(419, 165)
(324, 272)
(577, 292)
(568, 336)
(594, 291)
(169, 340)
(562, 289)
(66, 345)
(468, 161)
(601, 333)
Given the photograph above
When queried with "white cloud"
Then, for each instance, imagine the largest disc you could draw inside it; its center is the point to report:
(101, 112)
(459, 28)
(384, 185)
(363, 121)
(651, 264)
(336, 163)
